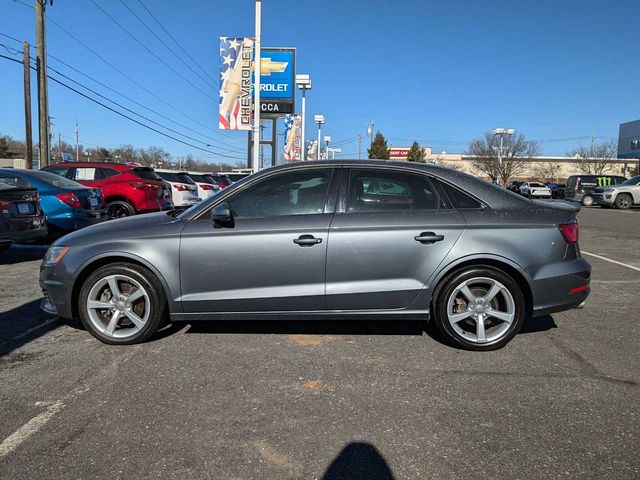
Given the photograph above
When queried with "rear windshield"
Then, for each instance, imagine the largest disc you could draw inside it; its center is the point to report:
(200, 178)
(146, 174)
(55, 180)
(176, 177)
(4, 186)
(536, 184)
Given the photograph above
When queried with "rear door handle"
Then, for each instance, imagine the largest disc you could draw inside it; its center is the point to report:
(428, 237)
(307, 240)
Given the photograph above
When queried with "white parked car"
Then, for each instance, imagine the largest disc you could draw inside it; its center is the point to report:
(207, 186)
(183, 189)
(535, 190)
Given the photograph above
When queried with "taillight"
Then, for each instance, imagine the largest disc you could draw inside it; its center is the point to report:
(70, 199)
(570, 232)
(205, 186)
(181, 188)
(147, 187)
(5, 204)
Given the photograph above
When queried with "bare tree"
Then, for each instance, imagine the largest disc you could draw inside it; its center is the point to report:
(547, 172)
(516, 152)
(595, 159)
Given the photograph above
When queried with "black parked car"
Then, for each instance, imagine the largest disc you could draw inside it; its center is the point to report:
(514, 186)
(580, 187)
(557, 189)
(21, 218)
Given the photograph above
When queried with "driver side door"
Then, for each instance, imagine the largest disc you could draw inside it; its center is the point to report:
(271, 257)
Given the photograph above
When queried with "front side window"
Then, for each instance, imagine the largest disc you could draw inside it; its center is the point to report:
(293, 193)
(387, 190)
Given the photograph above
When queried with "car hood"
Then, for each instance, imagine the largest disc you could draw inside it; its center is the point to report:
(119, 228)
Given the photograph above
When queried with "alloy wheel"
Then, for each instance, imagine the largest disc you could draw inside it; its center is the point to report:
(118, 306)
(481, 310)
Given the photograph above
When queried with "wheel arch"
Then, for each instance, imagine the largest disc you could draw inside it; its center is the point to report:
(96, 262)
(509, 267)
(121, 198)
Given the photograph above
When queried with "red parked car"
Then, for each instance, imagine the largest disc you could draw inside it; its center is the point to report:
(126, 189)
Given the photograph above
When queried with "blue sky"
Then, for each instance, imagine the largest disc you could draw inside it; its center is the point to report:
(439, 72)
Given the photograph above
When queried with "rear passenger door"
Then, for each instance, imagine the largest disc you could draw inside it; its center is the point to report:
(391, 231)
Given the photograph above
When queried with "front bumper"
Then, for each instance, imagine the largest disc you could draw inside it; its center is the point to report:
(606, 199)
(560, 286)
(55, 291)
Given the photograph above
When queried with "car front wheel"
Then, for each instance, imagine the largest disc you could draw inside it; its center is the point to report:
(479, 308)
(122, 304)
(624, 201)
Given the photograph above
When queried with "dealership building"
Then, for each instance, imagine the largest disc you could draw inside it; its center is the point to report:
(629, 140)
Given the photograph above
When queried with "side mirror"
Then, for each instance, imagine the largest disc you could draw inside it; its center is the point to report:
(221, 215)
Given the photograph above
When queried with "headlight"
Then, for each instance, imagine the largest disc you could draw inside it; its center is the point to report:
(54, 255)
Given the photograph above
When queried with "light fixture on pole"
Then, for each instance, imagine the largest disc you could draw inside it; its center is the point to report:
(303, 81)
(501, 132)
(319, 119)
(327, 140)
(255, 161)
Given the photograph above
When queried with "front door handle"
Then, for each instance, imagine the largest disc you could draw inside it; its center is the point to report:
(428, 237)
(307, 240)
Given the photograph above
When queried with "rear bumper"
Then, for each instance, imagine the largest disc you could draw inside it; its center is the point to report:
(79, 219)
(26, 230)
(560, 286)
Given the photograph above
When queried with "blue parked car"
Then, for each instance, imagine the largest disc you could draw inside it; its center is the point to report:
(66, 204)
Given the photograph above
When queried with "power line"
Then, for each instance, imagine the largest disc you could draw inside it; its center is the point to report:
(104, 60)
(198, 74)
(176, 42)
(126, 116)
(152, 53)
(234, 148)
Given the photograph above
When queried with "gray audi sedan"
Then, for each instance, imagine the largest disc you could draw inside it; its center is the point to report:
(328, 240)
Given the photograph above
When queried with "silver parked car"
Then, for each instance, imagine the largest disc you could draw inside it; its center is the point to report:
(328, 240)
(623, 195)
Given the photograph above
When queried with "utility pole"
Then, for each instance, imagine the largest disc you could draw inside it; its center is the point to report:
(77, 146)
(359, 145)
(256, 89)
(27, 105)
(60, 146)
(41, 64)
(371, 131)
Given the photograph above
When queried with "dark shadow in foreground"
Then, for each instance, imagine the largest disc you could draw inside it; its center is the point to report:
(359, 461)
(538, 324)
(22, 253)
(23, 324)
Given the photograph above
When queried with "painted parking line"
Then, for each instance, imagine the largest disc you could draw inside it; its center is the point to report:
(611, 261)
(14, 440)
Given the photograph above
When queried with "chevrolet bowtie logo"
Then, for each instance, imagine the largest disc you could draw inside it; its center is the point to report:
(268, 66)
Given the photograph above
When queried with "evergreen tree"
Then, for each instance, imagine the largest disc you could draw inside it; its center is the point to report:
(379, 148)
(416, 153)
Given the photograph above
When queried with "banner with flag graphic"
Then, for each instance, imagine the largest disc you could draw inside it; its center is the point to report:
(293, 138)
(236, 56)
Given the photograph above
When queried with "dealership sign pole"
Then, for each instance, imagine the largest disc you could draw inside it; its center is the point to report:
(256, 88)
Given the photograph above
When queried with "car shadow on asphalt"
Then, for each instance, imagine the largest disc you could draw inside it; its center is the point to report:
(23, 324)
(22, 253)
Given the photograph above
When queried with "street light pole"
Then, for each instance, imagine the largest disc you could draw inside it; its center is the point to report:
(304, 83)
(319, 119)
(327, 140)
(255, 166)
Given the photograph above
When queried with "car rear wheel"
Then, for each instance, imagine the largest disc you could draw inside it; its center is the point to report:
(624, 201)
(587, 200)
(479, 308)
(120, 208)
(122, 304)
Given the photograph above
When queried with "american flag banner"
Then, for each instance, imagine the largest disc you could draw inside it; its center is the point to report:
(236, 56)
(293, 139)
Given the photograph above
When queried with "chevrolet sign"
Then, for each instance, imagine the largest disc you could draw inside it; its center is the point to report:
(277, 75)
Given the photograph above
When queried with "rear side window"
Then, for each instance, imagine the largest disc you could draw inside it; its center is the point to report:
(66, 172)
(108, 172)
(148, 174)
(169, 177)
(388, 190)
(87, 174)
(458, 198)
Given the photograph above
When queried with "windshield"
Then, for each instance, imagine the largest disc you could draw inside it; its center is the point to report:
(55, 180)
(632, 181)
(535, 184)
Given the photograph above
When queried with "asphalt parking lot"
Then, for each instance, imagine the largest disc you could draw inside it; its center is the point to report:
(362, 400)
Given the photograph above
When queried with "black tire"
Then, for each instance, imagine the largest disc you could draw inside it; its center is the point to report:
(624, 201)
(152, 286)
(447, 288)
(120, 209)
(587, 200)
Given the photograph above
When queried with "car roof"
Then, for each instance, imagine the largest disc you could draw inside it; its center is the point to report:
(116, 166)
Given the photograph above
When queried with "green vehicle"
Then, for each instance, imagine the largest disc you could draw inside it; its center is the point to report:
(580, 188)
